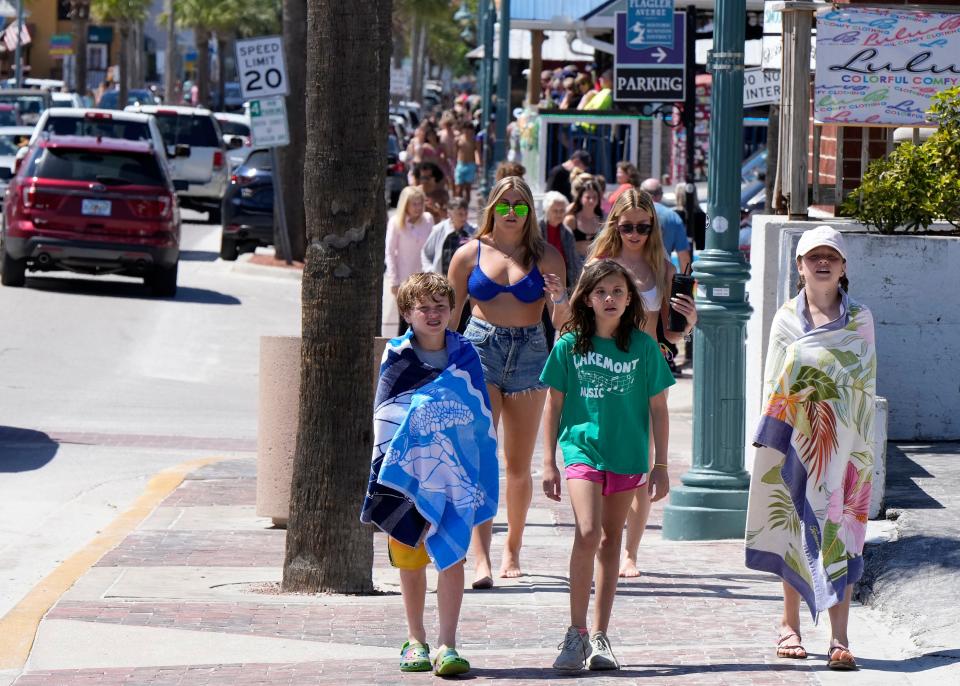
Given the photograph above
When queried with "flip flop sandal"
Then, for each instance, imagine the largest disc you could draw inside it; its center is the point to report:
(415, 657)
(483, 583)
(449, 663)
(794, 655)
(845, 662)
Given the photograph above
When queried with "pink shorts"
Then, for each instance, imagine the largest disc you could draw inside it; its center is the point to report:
(612, 482)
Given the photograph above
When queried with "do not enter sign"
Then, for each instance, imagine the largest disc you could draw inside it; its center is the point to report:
(261, 68)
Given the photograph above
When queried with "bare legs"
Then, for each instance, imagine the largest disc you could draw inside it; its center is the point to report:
(413, 586)
(521, 419)
(599, 530)
(790, 621)
(637, 517)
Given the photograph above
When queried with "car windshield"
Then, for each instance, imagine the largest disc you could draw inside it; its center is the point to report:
(232, 128)
(259, 159)
(27, 109)
(8, 116)
(113, 168)
(111, 99)
(10, 143)
(187, 129)
(107, 128)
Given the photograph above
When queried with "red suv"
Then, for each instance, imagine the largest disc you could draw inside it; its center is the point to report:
(94, 206)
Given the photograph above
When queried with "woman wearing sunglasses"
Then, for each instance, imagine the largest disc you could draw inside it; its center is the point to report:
(631, 236)
(506, 273)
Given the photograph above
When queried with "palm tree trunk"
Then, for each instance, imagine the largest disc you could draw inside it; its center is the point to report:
(291, 156)
(80, 25)
(203, 66)
(124, 64)
(221, 71)
(169, 55)
(327, 547)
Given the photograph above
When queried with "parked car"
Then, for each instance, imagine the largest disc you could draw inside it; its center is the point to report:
(93, 206)
(200, 158)
(29, 104)
(135, 96)
(754, 167)
(12, 140)
(60, 99)
(248, 206)
(81, 121)
(396, 172)
(235, 129)
(232, 98)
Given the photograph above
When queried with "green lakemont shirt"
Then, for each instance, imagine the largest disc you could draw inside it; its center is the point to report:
(606, 412)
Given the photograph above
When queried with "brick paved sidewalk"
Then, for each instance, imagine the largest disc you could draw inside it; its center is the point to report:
(175, 604)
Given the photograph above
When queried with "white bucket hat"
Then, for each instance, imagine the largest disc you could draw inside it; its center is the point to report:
(821, 236)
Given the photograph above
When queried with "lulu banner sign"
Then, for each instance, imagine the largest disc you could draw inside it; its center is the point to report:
(883, 66)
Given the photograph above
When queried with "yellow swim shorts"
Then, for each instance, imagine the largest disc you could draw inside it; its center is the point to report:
(404, 557)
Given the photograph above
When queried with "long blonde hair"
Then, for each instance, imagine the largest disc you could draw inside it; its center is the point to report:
(609, 244)
(532, 240)
(406, 195)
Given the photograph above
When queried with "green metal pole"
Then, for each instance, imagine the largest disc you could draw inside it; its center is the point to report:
(503, 84)
(486, 12)
(711, 501)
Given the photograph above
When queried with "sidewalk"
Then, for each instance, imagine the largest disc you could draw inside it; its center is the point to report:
(190, 596)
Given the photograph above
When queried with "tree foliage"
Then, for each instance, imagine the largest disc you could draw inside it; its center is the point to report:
(444, 43)
(917, 184)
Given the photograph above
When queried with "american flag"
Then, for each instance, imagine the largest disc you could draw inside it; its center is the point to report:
(10, 36)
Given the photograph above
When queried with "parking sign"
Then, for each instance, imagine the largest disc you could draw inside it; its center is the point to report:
(261, 68)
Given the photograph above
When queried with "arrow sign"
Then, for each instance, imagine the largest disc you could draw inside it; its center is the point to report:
(660, 54)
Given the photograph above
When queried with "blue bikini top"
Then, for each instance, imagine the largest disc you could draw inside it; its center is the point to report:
(481, 287)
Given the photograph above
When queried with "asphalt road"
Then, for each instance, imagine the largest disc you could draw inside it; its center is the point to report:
(102, 385)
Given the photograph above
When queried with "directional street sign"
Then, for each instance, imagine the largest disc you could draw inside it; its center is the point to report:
(268, 122)
(649, 23)
(650, 74)
(261, 68)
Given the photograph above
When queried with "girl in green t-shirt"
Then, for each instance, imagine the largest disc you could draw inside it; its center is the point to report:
(606, 383)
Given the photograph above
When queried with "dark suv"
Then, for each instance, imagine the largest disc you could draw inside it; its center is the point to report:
(93, 206)
(248, 206)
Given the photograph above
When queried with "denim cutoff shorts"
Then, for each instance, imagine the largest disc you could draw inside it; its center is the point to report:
(512, 357)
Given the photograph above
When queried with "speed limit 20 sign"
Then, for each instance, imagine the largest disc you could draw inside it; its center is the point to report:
(261, 68)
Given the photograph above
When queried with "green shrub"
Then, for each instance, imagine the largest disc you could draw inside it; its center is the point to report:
(917, 184)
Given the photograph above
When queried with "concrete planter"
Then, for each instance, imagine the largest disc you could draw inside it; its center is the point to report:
(278, 417)
(907, 282)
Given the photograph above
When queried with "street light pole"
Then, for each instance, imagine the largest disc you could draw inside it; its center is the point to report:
(503, 83)
(486, 12)
(711, 501)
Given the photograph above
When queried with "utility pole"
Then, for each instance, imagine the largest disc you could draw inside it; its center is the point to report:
(503, 84)
(711, 501)
(169, 61)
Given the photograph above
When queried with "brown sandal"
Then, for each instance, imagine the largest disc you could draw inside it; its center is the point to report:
(791, 652)
(844, 660)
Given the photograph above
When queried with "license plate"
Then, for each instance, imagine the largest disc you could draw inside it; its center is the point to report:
(95, 208)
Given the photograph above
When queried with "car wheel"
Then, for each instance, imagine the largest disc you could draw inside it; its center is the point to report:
(214, 216)
(162, 281)
(14, 271)
(228, 249)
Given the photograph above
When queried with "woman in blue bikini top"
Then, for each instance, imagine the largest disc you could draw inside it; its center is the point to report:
(507, 274)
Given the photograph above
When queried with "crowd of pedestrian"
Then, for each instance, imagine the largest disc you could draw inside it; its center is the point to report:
(569, 317)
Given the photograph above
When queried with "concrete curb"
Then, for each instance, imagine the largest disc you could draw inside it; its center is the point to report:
(19, 626)
(244, 266)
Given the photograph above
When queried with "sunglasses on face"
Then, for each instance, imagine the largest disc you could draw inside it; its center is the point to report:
(641, 229)
(521, 209)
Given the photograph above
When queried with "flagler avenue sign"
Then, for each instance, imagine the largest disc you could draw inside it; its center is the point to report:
(651, 74)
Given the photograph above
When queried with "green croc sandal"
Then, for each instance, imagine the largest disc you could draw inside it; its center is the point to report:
(415, 657)
(449, 663)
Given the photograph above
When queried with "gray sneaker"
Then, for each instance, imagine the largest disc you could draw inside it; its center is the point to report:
(573, 651)
(601, 654)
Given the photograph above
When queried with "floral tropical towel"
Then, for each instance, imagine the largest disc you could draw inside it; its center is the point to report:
(434, 474)
(810, 490)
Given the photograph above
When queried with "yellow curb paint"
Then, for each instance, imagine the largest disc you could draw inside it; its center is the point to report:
(19, 626)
